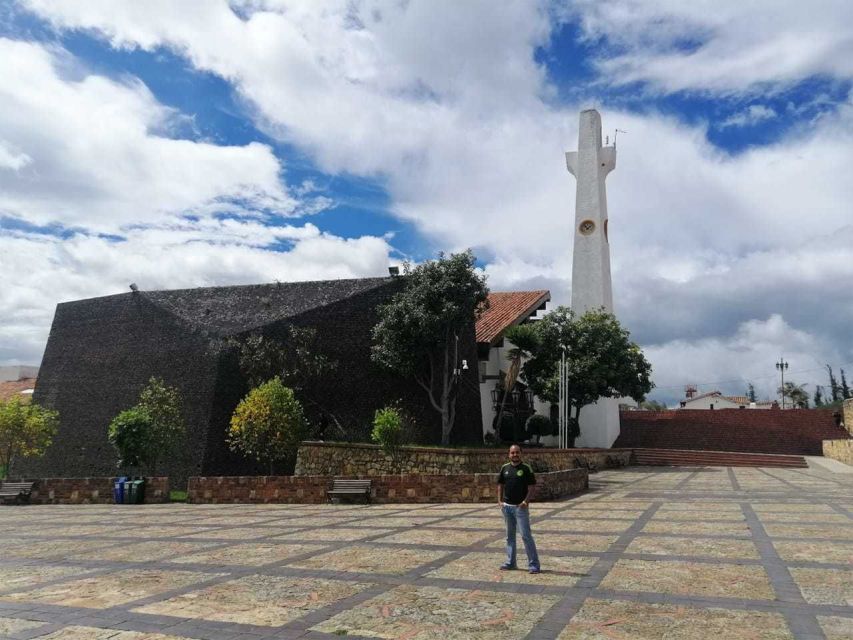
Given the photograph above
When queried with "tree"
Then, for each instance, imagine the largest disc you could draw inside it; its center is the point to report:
(268, 424)
(131, 433)
(523, 337)
(150, 430)
(418, 330)
(652, 405)
(750, 392)
(845, 390)
(538, 425)
(26, 430)
(602, 361)
(834, 389)
(796, 393)
(294, 358)
(163, 404)
(818, 396)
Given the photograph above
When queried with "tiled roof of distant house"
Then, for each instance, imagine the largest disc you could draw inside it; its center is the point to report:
(507, 309)
(13, 388)
(737, 399)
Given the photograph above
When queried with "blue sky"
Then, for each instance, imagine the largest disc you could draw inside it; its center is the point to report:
(205, 143)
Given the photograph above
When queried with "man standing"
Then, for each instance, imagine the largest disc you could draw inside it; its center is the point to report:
(516, 486)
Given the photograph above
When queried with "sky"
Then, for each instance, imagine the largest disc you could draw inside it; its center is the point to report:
(206, 142)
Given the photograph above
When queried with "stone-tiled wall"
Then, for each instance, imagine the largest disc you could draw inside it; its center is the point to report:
(91, 490)
(335, 459)
(468, 487)
(841, 450)
(848, 414)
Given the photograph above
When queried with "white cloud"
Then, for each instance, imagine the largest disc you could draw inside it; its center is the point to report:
(85, 152)
(720, 47)
(39, 271)
(13, 160)
(451, 112)
(729, 363)
(752, 115)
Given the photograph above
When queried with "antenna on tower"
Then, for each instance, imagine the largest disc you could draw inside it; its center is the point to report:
(690, 390)
(615, 133)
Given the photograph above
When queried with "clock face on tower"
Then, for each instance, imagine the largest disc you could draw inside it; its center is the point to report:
(586, 227)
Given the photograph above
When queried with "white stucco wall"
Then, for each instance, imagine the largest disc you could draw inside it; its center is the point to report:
(705, 403)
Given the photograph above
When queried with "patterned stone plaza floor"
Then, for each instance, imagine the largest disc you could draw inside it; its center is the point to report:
(647, 553)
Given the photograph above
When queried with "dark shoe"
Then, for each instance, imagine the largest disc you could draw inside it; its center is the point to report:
(508, 567)
(535, 570)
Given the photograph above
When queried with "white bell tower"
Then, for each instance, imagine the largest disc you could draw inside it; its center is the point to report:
(591, 283)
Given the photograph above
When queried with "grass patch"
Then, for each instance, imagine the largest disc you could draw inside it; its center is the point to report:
(177, 496)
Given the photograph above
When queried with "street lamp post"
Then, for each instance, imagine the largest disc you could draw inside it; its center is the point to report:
(781, 366)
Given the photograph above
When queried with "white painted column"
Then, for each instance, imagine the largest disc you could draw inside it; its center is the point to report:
(591, 282)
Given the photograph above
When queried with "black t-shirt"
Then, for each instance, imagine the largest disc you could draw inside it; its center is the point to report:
(515, 481)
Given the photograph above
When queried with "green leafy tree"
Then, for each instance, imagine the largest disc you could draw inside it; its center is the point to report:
(168, 429)
(818, 396)
(845, 390)
(418, 330)
(796, 393)
(26, 430)
(523, 339)
(131, 434)
(151, 430)
(295, 359)
(750, 392)
(602, 360)
(834, 388)
(652, 405)
(538, 425)
(268, 425)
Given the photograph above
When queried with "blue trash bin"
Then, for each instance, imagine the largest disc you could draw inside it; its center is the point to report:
(118, 489)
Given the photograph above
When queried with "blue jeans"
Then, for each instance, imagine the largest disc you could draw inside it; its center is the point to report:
(513, 516)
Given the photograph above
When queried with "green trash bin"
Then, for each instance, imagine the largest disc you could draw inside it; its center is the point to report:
(135, 491)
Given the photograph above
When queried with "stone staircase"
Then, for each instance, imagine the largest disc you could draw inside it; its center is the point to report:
(688, 458)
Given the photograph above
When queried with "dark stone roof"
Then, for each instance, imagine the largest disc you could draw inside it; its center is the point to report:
(237, 309)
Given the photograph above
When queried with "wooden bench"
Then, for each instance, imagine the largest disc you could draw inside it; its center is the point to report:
(17, 492)
(344, 488)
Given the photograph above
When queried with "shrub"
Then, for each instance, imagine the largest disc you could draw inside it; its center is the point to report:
(268, 424)
(25, 430)
(538, 425)
(130, 433)
(510, 429)
(388, 429)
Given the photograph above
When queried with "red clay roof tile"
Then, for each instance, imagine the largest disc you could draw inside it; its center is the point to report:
(506, 309)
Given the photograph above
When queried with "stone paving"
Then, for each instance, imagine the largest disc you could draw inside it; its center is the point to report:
(647, 553)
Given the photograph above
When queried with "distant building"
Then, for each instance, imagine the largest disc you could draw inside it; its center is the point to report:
(506, 309)
(716, 400)
(102, 351)
(18, 372)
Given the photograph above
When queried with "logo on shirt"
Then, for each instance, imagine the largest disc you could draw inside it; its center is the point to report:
(519, 473)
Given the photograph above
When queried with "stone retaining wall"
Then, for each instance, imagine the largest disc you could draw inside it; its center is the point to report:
(91, 490)
(466, 487)
(847, 412)
(841, 450)
(355, 459)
